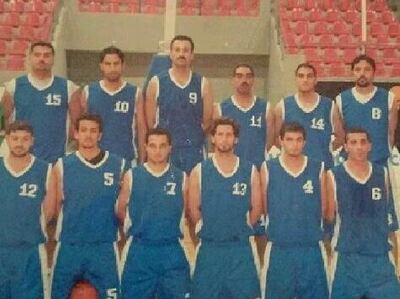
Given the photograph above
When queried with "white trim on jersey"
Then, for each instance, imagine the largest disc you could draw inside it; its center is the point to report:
(243, 109)
(325, 260)
(46, 272)
(221, 172)
(306, 109)
(43, 222)
(332, 270)
(363, 98)
(53, 266)
(124, 255)
(203, 83)
(128, 220)
(336, 230)
(20, 173)
(353, 175)
(157, 95)
(181, 86)
(156, 174)
(117, 261)
(60, 217)
(281, 105)
(333, 128)
(38, 84)
(339, 104)
(256, 258)
(90, 165)
(196, 253)
(112, 92)
(264, 269)
(218, 109)
(10, 86)
(85, 93)
(291, 173)
(133, 125)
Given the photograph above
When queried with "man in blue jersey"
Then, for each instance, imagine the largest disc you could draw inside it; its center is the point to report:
(89, 185)
(359, 193)
(255, 118)
(155, 262)
(295, 203)
(120, 105)
(181, 101)
(317, 114)
(370, 107)
(44, 100)
(225, 202)
(27, 202)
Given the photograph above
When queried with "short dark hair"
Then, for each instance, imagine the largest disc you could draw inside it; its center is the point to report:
(306, 65)
(92, 117)
(225, 121)
(294, 127)
(356, 130)
(243, 65)
(19, 125)
(158, 131)
(182, 38)
(366, 58)
(41, 44)
(112, 50)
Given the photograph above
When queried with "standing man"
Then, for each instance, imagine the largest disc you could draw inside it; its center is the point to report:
(89, 184)
(252, 113)
(225, 201)
(43, 100)
(317, 114)
(359, 192)
(370, 107)
(120, 105)
(181, 101)
(295, 202)
(156, 264)
(27, 202)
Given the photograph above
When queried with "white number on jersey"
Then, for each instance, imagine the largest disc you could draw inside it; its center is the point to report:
(121, 106)
(239, 189)
(317, 124)
(108, 178)
(192, 98)
(53, 99)
(170, 188)
(28, 190)
(308, 187)
(112, 293)
(376, 193)
(255, 121)
(376, 113)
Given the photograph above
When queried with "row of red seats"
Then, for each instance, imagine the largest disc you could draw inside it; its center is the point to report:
(14, 19)
(342, 5)
(24, 32)
(186, 7)
(341, 69)
(21, 6)
(12, 63)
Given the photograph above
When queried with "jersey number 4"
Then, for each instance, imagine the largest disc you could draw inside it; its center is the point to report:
(308, 187)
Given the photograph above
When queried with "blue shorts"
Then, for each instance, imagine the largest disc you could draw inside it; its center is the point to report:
(372, 276)
(295, 272)
(96, 263)
(225, 270)
(155, 271)
(23, 272)
(186, 158)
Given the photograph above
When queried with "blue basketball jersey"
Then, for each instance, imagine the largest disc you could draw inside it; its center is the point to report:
(180, 110)
(373, 116)
(90, 195)
(22, 194)
(365, 212)
(225, 202)
(294, 204)
(318, 126)
(117, 112)
(46, 110)
(253, 128)
(156, 204)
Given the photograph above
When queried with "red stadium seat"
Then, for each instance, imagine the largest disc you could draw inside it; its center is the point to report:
(224, 7)
(188, 7)
(27, 33)
(352, 16)
(380, 70)
(330, 55)
(344, 5)
(332, 15)
(339, 28)
(298, 14)
(349, 54)
(15, 63)
(311, 54)
(393, 30)
(395, 70)
(18, 47)
(310, 4)
(390, 55)
(326, 41)
(326, 4)
(3, 47)
(345, 41)
(306, 41)
(11, 19)
(289, 39)
(372, 17)
(378, 5)
(356, 31)
(291, 4)
(6, 32)
(207, 8)
(372, 52)
(321, 28)
(16, 6)
(315, 15)
(32, 19)
(337, 70)
(376, 29)
(388, 17)
(300, 28)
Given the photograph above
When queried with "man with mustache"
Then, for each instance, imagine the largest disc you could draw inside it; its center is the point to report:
(369, 107)
(43, 100)
(181, 102)
(120, 105)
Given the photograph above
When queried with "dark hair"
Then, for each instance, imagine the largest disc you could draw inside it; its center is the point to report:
(355, 130)
(182, 38)
(41, 44)
(112, 50)
(19, 125)
(92, 117)
(243, 65)
(159, 132)
(225, 121)
(365, 58)
(292, 127)
(306, 65)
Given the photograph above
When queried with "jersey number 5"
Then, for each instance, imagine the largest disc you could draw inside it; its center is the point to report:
(108, 178)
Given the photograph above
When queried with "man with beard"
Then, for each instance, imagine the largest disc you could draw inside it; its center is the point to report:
(88, 183)
(27, 202)
(369, 107)
(120, 106)
(44, 101)
(181, 102)
(225, 200)
(317, 114)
